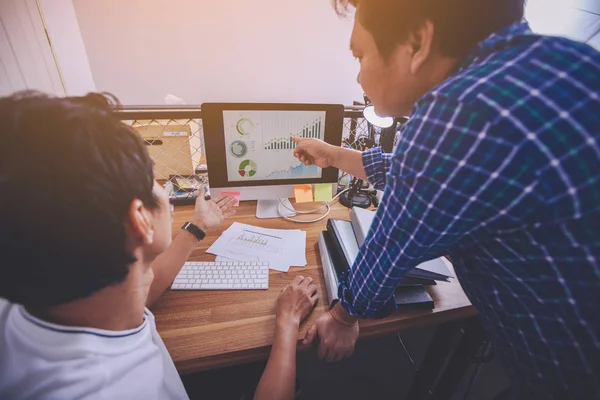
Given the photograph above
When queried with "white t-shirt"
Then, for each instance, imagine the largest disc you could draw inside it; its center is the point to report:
(41, 360)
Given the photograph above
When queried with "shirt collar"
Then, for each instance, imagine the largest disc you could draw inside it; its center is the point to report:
(496, 41)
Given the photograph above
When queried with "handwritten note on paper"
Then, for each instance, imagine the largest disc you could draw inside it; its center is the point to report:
(323, 192)
(303, 193)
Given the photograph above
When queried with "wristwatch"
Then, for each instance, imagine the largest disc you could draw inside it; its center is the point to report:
(194, 230)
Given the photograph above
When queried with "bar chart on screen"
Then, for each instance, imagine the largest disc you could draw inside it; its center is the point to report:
(310, 128)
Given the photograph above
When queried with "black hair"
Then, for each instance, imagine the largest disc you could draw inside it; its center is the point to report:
(458, 24)
(69, 170)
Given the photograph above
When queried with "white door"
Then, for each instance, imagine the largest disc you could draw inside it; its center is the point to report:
(26, 58)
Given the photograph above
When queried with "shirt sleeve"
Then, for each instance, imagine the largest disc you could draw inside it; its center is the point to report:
(450, 175)
(376, 164)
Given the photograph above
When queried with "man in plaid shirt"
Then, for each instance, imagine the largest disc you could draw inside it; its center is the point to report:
(498, 167)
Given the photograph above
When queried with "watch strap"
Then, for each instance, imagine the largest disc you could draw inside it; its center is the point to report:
(194, 230)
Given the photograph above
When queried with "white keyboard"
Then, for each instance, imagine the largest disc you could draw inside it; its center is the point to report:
(223, 275)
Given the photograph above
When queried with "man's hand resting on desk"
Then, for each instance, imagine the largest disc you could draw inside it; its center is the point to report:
(337, 333)
(296, 301)
(294, 304)
(209, 213)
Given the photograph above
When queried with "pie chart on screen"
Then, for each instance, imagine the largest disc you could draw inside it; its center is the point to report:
(238, 149)
(247, 168)
(244, 126)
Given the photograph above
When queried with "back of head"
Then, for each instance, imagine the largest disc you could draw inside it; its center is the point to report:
(69, 171)
(459, 24)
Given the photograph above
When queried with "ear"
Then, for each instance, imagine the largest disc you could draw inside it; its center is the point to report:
(421, 42)
(140, 222)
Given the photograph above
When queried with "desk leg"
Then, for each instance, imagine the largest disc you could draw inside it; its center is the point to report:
(447, 360)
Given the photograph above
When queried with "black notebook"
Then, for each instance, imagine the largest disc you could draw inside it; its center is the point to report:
(413, 296)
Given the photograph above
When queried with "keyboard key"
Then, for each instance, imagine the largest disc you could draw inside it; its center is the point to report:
(215, 286)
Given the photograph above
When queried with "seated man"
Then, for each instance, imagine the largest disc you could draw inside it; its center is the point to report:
(86, 247)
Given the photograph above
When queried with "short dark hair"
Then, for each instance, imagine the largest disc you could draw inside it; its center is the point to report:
(459, 24)
(69, 170)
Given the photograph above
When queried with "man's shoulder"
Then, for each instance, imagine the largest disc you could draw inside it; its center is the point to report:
(122, 364)
(533, 69)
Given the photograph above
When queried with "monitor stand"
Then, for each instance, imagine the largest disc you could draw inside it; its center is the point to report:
(269, 209)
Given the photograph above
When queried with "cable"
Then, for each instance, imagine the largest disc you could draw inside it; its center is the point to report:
(300, 220)
(325, 205)
(414, 364)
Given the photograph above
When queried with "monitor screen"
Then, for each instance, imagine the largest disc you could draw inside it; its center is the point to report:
(260, 147)
(251, 144)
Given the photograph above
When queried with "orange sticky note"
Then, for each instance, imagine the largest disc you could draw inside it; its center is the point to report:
(303, 193)
(233, 194)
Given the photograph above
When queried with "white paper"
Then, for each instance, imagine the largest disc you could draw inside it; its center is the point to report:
(282, 248)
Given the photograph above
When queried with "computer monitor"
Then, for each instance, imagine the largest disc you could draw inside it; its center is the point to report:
(249, 149)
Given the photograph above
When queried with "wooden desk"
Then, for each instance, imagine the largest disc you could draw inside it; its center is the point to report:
(210, 329)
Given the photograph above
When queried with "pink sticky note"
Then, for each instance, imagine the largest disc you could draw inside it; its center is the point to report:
(233, 194)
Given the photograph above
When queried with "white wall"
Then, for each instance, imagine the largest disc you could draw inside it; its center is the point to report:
(226, 50)
(249, 50)
(67, 45)
(575, 19)
(26, 59)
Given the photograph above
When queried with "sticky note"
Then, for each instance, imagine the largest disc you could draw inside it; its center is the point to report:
(233, 194)
(323, 192)
(303, 193)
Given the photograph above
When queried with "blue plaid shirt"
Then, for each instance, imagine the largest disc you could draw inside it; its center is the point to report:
(499, 168)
